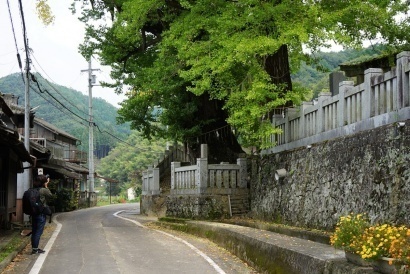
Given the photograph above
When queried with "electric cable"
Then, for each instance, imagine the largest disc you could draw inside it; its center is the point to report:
(14, 36)
(75, 114)
(54, 88)
(41, 94)
(111, 135)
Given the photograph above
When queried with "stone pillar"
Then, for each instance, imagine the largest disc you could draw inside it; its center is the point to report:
(402, 81)
(204, 151)
(201, 175)
(174, 165)
(335, 78)
(367, 103)
(243, 172)
(344, 87)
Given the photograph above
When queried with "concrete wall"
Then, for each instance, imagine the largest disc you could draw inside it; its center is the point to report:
(366, 172)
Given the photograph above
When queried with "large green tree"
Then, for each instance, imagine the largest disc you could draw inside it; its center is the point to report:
(191, 68)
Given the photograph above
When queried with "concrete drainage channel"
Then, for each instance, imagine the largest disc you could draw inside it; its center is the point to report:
(270, 252)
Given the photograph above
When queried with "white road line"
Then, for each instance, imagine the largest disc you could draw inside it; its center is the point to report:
(42, 257)
(199, 252)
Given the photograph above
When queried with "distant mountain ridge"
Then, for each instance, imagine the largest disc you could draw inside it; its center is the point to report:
(68, 109)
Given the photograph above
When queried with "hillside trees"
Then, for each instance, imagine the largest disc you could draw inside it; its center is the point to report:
(128, 160)
(209, 63)
(48, 109)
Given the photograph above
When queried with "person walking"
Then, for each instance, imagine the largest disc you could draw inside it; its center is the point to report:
(38, 221)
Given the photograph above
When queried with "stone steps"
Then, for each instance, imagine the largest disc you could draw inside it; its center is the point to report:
(239, 204)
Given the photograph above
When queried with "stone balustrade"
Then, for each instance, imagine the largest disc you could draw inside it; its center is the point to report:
(383, 98)
(202, 178)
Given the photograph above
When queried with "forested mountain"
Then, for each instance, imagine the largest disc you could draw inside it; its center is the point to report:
(316, 76)
(67, 109)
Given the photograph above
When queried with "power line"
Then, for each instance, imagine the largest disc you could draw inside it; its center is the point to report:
(75, 114)
(41, 94)
(58, 92)
(14, 36)
(111, 135)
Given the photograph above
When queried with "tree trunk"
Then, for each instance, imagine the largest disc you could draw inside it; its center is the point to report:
(222, 143)
(277, 66)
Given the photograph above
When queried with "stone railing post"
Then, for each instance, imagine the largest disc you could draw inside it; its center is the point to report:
(204, 151)
(174, 165)
(243, 172)
(403, 95)
(341, 111)
(320, 122)
(201, 174)
(367, 104)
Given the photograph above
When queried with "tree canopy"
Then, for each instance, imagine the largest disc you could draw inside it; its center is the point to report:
(193, 67)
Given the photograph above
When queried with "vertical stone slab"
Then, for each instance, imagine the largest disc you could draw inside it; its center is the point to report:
(243, 173)
(144, 182)
(335, 78)
(344, 87)
(303, 126)
(174, 165)
(290, 114)
(201, 181)
(368, 104)
(155, 181)
(225, 178)
(212, 183)
(320, 124)
(218, 179)
(275, 120)
(403, 95)
(233, 178)
(150, 179)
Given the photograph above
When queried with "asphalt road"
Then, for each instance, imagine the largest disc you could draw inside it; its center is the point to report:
(116, 239)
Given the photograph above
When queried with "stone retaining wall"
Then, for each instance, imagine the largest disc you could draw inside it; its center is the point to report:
(205, 207)
(366, 172)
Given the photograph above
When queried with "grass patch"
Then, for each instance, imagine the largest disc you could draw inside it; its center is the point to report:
(11, 246)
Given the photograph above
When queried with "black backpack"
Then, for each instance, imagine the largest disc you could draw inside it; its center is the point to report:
(31, 202)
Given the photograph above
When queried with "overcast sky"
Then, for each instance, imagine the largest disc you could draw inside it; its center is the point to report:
(54, 48)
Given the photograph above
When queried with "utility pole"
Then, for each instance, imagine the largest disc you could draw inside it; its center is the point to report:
(91, 81)
(25, 178)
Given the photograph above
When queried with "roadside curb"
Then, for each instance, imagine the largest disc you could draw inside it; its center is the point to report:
(270, 252)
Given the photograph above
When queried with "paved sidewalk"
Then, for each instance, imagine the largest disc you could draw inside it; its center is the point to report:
(23, 261)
